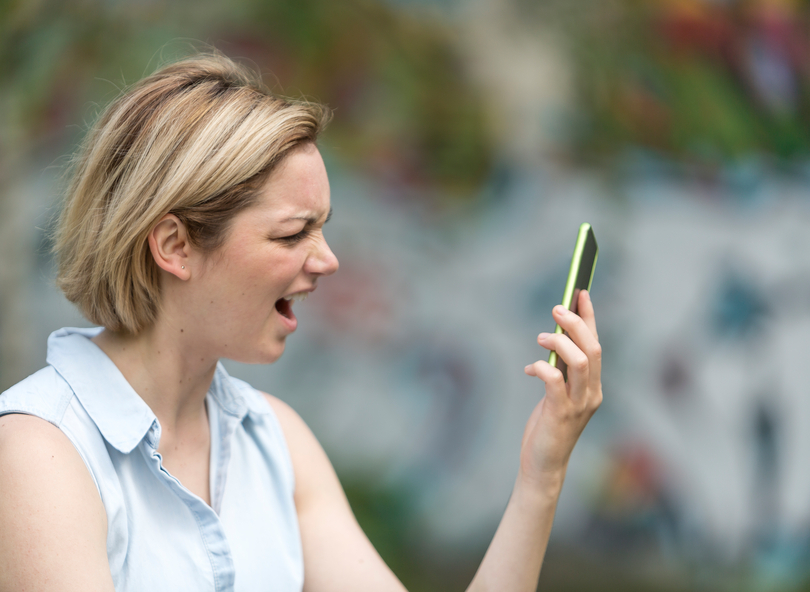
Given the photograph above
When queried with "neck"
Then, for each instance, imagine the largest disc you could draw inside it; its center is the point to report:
(166, 371)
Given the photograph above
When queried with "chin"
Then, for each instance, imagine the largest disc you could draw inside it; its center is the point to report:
(258, 349)
(266, 353)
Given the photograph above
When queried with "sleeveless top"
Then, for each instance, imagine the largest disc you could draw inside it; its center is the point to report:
(160, 536)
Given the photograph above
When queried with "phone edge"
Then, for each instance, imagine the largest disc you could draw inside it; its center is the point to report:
(568, 293)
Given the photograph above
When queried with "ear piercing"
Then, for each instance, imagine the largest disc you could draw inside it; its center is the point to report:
(182, 267)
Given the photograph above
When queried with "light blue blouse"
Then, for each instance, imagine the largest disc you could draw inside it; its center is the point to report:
(160, 536)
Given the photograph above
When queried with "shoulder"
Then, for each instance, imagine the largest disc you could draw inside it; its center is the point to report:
(287, 416)
(32, 414)
(52, 514)
(281, 423)
(314, 475)
(30, 437)
(256, 400)
(44, 394)
(302, 443)
(36, 457)
(300, 439)
(293, 427)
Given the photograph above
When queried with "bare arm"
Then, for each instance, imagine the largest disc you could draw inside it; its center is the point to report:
(337, 554)
(514, 558)
(53, 526)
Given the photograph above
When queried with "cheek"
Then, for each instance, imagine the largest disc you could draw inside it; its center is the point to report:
(287, 267)
(273, 274)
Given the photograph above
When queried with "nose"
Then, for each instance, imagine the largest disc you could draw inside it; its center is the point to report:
(322, 260)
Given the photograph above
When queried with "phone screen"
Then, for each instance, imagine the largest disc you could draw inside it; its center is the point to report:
(580, 277)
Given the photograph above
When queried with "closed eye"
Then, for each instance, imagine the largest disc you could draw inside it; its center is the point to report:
(311, 224)
(295, 238)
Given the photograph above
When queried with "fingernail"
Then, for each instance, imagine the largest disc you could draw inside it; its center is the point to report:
(561, 310)
(527, 368)
(543, 336)
(587, 295)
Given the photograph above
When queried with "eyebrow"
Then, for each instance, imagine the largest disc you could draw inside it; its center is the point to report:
(309, 219)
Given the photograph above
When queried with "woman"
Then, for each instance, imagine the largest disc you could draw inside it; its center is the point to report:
(133, 461)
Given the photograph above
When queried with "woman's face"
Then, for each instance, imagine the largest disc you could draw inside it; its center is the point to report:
(275, 250)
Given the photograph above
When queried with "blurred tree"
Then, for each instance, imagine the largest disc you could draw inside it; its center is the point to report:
(695, 81)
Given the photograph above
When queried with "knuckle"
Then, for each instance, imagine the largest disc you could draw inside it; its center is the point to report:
(580, 363)
(556, 376)
(596, 401)
(596, 351)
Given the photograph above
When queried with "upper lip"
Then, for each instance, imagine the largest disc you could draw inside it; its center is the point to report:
(291, 294)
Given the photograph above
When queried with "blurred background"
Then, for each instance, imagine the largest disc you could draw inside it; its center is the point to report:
(470, 139)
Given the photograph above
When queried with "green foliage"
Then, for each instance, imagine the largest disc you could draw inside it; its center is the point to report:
(403, 106)
(693, 81)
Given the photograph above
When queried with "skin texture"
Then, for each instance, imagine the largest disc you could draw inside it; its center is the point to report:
(53, 527)
(52, 521)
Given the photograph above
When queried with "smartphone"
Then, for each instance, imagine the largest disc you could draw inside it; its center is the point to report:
(580, 277)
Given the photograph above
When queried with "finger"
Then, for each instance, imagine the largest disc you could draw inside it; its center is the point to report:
(555, 383)
(585, 311)
(584, 339)
(576, 360)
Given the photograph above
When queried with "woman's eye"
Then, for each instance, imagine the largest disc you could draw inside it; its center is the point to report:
(294, 238)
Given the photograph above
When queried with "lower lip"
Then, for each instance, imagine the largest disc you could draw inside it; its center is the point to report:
(290, 323)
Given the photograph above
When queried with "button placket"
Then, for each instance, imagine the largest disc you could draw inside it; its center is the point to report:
(211, 529)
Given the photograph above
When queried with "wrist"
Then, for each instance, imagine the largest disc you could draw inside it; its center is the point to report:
(546, 485)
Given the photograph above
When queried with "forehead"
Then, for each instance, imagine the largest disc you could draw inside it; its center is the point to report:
(298, 187)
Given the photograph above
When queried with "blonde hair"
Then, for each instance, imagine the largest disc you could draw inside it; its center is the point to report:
(195, 139)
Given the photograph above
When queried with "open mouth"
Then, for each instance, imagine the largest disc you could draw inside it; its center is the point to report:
(284, 305)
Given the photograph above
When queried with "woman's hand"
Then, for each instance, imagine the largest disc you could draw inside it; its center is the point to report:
(512, 562)
(556, 423)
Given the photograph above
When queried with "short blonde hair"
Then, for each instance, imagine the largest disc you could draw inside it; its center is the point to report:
(195, 139)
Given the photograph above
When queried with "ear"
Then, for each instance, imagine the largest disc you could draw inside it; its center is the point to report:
(170, 247)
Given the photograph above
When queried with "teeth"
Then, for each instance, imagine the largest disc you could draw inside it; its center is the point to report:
(298, 296)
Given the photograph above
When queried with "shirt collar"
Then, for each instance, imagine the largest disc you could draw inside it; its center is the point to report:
(122, 417)
(229, 395)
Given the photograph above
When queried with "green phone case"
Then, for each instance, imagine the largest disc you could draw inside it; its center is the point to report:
(576, 280)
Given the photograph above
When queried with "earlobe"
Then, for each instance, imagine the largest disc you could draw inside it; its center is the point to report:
(170, 247)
